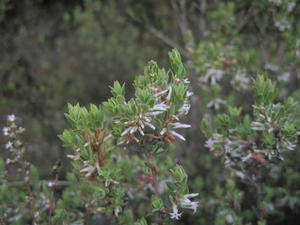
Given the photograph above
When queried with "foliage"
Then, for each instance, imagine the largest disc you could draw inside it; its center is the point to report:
(249, 121)
(120, 149)
(66, 55)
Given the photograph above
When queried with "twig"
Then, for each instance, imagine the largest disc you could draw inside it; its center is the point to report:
(157, 33)
(261, 211)
(154, 170)
(152, 30)
(54, 183)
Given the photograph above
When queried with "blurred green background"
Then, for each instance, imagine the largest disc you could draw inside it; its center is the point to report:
(53, 52)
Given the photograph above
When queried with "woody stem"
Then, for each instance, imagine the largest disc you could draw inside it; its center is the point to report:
(258, 192)
(154, 171)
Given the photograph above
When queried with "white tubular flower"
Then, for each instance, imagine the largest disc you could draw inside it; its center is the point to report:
(150, 125)
(174, 133)
(172, 126)
(5, 131)
(117, 210)
(175, 214)
(163, 131)
(142, 120)
(161, 93)
(74, 157)
(185, 81)
(161, 107)
(290, 146)
(89, 170)
(107, 137)
(141, 131)
(154, 113)
(180, 125)
(189, 93)
(247, 157)
(8, 145)
(51, 184)
(184, 109)
(170, 93)
(258, 126)
(186, 203)
(133, 130)
(126, 131)
(86, 144)
(11, 118)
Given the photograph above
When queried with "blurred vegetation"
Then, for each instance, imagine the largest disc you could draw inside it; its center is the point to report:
(55, 52)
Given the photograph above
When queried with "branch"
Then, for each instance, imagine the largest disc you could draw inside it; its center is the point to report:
(182, 22)
(258, 193)
(157, 33)
(152, 30)
(53, 183)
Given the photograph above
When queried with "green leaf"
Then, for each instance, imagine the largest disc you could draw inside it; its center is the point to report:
(117, 90)
(141, 222)
(156, 203)
(34, 175)
(176, 64)
(265, 91)
(2, 165)
(179, 174)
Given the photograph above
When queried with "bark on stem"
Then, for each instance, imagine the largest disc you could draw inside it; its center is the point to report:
(154, 171)
(258, 193)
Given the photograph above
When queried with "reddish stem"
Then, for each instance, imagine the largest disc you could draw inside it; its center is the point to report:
(154, 170)
(258, 192)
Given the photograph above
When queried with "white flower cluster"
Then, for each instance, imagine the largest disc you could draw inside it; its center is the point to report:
(285, 77)
(291, 6)
(15, 146)
(143, 120)
(172, 126)
(268, 125)
(175, 213)
(88, 167)
(76, 156)
(184, 202)
(12, 129)
(233, 148)
(283, 25)
(241, 81)
(272, 67)
(212, 76)
(238, 150)
(146, 119)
